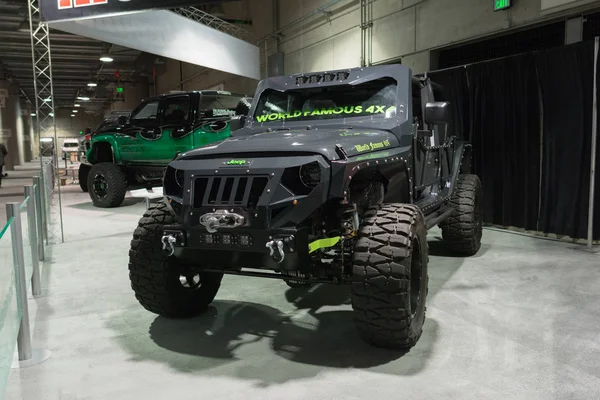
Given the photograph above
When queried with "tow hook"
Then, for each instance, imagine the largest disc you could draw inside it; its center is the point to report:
(172, 238)
(168, 242)
(273, 245)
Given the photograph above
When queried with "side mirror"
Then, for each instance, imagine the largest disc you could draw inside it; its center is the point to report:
(122, 120)
(237, 122)
(244, 105)
(438, 113)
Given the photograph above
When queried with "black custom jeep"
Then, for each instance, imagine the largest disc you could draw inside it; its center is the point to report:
(334, 177)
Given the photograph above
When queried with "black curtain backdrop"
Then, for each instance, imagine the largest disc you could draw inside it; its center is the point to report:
(505, 131)
(456, 91)
(566, 84)
(529, 116)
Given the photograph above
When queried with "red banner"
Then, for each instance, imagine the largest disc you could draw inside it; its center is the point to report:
(58, 10)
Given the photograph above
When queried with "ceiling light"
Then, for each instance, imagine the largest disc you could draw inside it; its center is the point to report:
(77, 105)
(105, 57)
(33, 114)
(72, 115)
(51, 114)
(82, 98)
(75, 111)
(92, 84)
(48, 100)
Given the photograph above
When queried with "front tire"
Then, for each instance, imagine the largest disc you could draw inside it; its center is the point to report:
(107, 185)
(463, 229)
(156, 279)
(390, 278)
(84, 171)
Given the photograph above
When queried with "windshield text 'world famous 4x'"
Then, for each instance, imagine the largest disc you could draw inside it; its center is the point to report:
(345, 111)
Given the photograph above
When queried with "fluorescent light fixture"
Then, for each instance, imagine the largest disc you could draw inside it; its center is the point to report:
(45, 139)
(72, 115)
(75, 111)
(92, 84)
(33, 114)
(105, 57)
(51, 114)
(77, 105)
(82, 98)
(48, 100)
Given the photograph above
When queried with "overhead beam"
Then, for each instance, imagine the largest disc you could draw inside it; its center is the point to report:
(191, 42)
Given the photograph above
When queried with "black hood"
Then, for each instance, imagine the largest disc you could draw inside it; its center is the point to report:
(317, 141)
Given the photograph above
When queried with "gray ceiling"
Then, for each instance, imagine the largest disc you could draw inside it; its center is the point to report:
(75, 61)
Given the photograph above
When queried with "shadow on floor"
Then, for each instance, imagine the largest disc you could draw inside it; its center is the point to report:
(227, 331)
(257, 341)
(439, 249)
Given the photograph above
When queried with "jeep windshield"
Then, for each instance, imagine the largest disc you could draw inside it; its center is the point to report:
(375, 99)
(218, 105)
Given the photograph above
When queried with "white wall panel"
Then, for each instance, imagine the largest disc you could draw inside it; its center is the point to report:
(394, 34)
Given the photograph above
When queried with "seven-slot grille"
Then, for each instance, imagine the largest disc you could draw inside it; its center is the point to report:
(240, 191)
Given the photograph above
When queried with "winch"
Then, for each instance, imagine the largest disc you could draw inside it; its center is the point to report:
(221, 219)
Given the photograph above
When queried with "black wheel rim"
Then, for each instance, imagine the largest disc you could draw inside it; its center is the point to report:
(100, 186)
(416, 266)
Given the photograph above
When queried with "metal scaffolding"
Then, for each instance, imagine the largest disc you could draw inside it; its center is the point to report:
(218, 24)
(46, 124)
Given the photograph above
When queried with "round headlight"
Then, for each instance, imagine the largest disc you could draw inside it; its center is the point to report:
(310, 175)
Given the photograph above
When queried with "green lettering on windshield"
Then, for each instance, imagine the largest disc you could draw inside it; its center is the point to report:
(347, 110)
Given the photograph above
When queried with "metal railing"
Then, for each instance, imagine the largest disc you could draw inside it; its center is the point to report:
(22, 249)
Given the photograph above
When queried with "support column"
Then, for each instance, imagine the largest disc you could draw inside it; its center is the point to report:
(10, 124)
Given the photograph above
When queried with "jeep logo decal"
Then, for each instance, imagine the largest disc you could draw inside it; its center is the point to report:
(236, 162)
(64, 4)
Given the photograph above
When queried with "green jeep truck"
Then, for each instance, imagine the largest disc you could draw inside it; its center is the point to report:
(132, 152)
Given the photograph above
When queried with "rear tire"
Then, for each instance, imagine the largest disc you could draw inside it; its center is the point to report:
(463, 229)
(84, 171)
(389, 287)
(107, 185)
(156, 279)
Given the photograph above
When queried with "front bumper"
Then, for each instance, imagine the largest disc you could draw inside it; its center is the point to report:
(244, 213)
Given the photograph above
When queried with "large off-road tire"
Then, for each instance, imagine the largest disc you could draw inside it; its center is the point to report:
(161, 284)
(390, 280)
(107, 185)
(463, 229)
(84, 171)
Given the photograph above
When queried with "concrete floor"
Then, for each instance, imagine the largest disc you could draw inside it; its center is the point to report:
(520, 320)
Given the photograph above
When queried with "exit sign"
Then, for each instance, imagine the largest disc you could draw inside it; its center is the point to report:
(501, 4)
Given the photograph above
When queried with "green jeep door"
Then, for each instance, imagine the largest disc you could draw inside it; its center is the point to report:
(175, 118)
(143, 126)
(214, 112)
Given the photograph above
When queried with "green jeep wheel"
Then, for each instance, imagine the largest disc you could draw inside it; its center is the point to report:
(107, 185)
